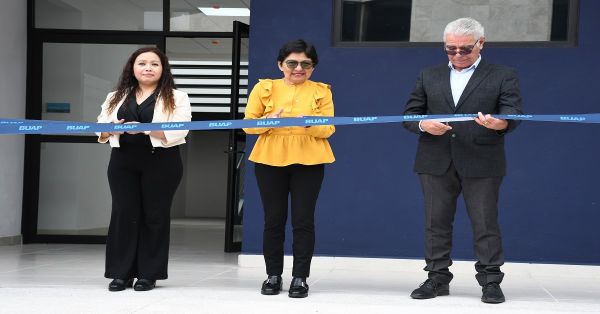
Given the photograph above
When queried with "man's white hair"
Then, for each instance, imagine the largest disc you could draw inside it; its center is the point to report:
(464, 26)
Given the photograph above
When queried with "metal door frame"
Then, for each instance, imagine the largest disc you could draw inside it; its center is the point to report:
(235, 157)
(35, 42)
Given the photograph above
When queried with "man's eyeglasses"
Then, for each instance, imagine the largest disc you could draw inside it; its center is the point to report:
(463, 51)
(292, 64)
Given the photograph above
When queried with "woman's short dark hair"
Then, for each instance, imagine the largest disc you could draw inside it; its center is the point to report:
(298, 46)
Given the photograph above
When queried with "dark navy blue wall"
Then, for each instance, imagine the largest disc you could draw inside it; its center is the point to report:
(371, 203)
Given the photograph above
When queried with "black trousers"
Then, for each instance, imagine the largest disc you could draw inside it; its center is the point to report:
(276, 184)
(481, 199)
(142, 182)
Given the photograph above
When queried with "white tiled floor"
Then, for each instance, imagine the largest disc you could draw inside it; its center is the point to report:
(62, 278)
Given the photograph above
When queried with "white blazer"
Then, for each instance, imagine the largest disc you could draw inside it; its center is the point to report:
(181, 113)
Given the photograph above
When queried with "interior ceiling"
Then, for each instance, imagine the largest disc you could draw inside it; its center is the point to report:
(192, 5)
(189, 8)
(188, 47)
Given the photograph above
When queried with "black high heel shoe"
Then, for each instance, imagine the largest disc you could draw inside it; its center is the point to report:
(144, 285)
(120, 284)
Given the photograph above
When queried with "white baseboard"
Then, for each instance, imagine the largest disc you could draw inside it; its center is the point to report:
(466, 267)
(13, 240)
(333, 262)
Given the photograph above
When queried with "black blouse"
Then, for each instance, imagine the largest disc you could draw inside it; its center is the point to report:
(131, 111)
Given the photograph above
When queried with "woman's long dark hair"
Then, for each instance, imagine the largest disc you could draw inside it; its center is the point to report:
(128, 83)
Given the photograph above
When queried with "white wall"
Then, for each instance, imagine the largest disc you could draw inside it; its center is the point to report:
(13, 36)
(206, 179)
(203, 189)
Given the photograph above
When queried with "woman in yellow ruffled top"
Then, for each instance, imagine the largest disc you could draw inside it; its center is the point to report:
(290, 161)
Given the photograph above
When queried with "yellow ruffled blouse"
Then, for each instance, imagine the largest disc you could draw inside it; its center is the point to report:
(291, 145)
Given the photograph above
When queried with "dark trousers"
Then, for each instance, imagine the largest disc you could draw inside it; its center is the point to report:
(481, 199)
(303, 183)
(142, 183)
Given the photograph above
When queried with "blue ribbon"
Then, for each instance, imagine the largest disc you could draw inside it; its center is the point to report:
(22, 126)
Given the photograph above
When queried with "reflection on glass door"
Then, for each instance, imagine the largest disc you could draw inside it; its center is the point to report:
(99, 15)
(77, 77)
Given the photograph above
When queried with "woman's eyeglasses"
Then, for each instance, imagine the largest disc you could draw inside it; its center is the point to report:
(463, 51)
(292, 64)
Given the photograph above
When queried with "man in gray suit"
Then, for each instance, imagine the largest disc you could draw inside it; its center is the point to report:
(465, 156)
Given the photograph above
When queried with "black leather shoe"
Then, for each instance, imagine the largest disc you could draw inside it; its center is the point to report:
(271, 286)
(144, 285)
(430, 289)
(298, 288)
(120, 284)
(492, 293)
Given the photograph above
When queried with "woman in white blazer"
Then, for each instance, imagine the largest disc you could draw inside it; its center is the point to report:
(144, 171)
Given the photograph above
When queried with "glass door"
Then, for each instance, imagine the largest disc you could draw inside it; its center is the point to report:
(75, 53)
(66, 194)
(202, 67)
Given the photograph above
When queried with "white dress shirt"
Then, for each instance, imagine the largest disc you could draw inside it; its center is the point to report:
(458, 81)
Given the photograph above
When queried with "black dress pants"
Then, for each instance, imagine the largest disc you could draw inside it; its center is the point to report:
(276, 184)
(481, 199)
(142, 182)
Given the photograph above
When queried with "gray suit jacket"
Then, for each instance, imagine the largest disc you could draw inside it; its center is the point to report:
(475, 151)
